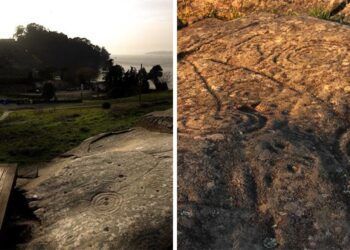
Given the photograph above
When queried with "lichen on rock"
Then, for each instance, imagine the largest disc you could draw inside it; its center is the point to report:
(190, 11)
(263, 129)
(114, 191)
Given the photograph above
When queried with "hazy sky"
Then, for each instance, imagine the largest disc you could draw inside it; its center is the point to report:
(122, 26)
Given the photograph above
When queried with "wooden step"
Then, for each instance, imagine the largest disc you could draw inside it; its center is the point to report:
(8, 174)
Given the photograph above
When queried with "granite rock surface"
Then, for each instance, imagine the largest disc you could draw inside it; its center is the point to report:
(190, 11)
(264, 134)
(114, 191)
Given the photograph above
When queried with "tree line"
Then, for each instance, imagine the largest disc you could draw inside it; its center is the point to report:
(121, 83)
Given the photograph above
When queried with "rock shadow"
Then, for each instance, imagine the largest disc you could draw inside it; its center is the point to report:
(19, 223)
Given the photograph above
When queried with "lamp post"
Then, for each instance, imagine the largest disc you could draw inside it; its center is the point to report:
(81, 91)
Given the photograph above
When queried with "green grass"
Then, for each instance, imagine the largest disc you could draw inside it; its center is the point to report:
(212, 11)
(320, 12)
(235, 14)
(37, 135)
(151, 97)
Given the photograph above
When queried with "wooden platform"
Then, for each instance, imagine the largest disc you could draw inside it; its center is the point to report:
(8, 173)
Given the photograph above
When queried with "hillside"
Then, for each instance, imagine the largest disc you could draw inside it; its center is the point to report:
(36, 47)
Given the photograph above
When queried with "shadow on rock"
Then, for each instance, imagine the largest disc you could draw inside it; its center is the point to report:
(19, 223)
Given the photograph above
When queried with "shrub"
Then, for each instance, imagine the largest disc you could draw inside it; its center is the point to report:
(84, 130)
(234, 14)
(68, 117)
(213, 12)
(106, 105)
(26, 151)
(320, 12)
(48, 91)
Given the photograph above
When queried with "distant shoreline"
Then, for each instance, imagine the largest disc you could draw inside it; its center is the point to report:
(156, 53)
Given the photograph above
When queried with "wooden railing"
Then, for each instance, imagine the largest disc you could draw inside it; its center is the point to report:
(8, 174)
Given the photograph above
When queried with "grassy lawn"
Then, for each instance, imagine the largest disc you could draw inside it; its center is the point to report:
(36, 135)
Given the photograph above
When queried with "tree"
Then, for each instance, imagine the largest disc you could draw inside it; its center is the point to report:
(130, 82)
(155, 74)
(115, 72)
(86, 74)
(143, 78)
(46, 73)
(121, 84)
(53, 49)
(48, 92)
(142, 82)
(114, 79)
(20, 31)
(166, 79)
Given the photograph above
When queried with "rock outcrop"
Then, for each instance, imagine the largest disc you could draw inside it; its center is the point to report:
(263, 119)
(112, 192)
(344, 14)
(158, 121)
(190, 11)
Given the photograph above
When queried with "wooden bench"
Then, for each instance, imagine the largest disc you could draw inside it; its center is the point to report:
(8, 174)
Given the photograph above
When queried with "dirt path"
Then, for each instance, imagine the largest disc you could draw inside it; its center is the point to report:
(4, 115)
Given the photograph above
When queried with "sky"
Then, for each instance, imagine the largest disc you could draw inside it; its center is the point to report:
(122, 26)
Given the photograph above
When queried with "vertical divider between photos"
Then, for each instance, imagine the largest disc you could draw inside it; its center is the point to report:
(174, 124)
